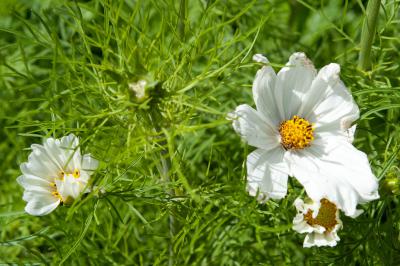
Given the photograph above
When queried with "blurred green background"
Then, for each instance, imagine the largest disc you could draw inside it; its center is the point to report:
(170, 163)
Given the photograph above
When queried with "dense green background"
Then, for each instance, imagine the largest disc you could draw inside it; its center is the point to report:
(172, 166)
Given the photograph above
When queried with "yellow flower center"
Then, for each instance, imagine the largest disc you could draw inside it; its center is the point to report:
(296, 133)
(61, 175)
(57, 195)
(76, 173)
(326, 215)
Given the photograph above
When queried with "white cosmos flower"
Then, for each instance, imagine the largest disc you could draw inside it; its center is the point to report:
(319, 220)
(302, 128)
(55, 173)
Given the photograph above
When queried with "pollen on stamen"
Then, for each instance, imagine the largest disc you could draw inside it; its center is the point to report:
(76, 173)
(57, 195)
(61, 175)
(296, 133)
(326, 216)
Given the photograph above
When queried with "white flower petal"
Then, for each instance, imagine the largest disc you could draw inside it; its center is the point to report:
(39, 163)
(328, 103)
(337, 111)
(27, 181)
(320, 89)
(292, 83)
(267, 174)
(89, 163)
(299, 204)
(65, 151)
(259, 58)
(300, 226)
(357, 213)
(350, 133)
(36, 191)
(264, 92)
(342, 175)
(42, 205)
(69, 142)
(69, 187)
(249, 124)
(319, 240)
(54, 156)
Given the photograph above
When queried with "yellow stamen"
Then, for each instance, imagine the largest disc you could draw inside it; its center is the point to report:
(61, 175)
(296, 133)
(326, 215)
(57, 195)
(76, 173)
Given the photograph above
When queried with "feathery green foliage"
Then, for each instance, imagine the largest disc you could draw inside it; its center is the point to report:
(171, 165)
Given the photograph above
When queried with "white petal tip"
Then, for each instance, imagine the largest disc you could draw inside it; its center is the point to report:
(356, 213)
(72, 135)
(322, 240)
(330, 72)
(297, 56)
(350, 133)
(261, 197)
(300, 59)
(259, 58)
(39, 208)
(299, 204)
(334, 68)
(307, 245)
(20, 180)
(231, 116)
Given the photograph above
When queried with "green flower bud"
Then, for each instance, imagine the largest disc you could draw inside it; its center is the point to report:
(392, 185)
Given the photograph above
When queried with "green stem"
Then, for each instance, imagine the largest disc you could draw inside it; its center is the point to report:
(164, 169)
(166, 166)
(368, 33)
(182, 19)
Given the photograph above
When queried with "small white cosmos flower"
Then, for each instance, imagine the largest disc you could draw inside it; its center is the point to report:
(302, 128)
(55, 173)
(320, 221)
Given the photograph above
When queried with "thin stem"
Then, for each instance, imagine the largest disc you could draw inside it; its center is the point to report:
(368, 33)
(166, 166)
(164, 169)
(182, 19)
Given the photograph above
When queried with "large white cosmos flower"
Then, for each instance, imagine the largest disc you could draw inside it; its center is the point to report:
(320, 221)
(301, 128)
(55, 173)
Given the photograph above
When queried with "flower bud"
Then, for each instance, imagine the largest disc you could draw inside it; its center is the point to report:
(139, 89)
(391, 184)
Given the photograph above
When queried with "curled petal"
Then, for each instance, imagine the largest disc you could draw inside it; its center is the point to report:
(342, 175)
(320, 240)
(328, 103)
(266, 174)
